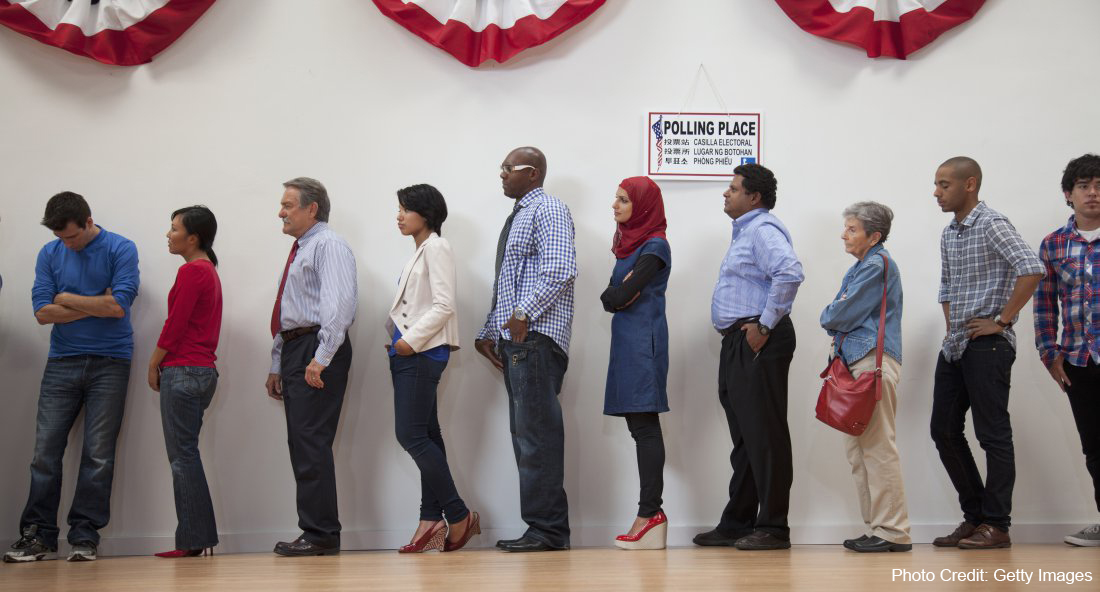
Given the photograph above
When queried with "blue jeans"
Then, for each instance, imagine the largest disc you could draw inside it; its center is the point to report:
(416, 423)
(533, 374)
(98, 385)
(978, 381)
(185, 393)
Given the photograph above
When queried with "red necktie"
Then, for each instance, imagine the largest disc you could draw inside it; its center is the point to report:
(277, 312)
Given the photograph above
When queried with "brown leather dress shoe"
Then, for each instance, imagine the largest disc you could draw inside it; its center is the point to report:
(304, 548)
(986, 537)
(964, 530)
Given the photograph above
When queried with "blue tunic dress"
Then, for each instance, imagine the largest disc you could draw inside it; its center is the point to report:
(638, 368)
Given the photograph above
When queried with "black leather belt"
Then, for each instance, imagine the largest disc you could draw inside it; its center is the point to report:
(292, 334)
(736, 326)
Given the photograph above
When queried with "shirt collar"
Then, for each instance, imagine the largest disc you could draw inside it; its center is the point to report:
(313, 231)
(532, 196)
(748, 216)
(972, 217)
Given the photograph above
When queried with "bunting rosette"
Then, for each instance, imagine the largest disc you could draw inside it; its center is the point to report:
(891, 28)
(474, 31)
(116, 32)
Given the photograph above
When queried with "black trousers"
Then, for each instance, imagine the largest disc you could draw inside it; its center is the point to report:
(1084, 400)
(752, 387)
(311, 419)
(979, 381)
(645, 428)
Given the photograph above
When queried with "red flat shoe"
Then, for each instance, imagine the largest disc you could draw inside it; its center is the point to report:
(651, 536)
(433, 539)
(178, 553)
(473, 526)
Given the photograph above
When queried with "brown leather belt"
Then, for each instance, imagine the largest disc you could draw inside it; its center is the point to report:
(292, 334)
(736, 326)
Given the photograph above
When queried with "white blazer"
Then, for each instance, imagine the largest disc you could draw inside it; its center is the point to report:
(424, 308)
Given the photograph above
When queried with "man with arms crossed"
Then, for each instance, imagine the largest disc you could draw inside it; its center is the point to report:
(84, 284)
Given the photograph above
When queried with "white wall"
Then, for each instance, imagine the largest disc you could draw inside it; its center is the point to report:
(253, 95)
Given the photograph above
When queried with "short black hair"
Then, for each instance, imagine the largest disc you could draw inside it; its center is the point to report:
(426, 201)
(66, 207)
(200, 221)
(758, 179)
(1081, 168)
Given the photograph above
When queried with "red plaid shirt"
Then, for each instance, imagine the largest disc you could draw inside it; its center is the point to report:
(1071, 280)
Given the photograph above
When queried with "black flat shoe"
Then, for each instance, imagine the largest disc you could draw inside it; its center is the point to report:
(761, 541)
(877, 545)
(304, 548)
(527, 545)
(714, 538)
(849, 542)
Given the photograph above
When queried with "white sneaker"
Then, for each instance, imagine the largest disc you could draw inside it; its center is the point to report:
(1089, 536)
(82, 552)
(29, 548)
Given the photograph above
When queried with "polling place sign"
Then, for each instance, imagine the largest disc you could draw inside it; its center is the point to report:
(700, 146)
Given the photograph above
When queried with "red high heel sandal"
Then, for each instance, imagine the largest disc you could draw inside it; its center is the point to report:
(178, 553)
(473, 526)
(651, 536)
(433, 539)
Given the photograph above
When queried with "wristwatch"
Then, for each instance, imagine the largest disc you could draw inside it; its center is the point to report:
(764, 330)
(1004, 325)
(519, 314)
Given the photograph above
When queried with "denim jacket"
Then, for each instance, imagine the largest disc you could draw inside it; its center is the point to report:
(855, 310)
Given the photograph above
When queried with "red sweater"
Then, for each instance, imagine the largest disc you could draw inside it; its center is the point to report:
(190, 333)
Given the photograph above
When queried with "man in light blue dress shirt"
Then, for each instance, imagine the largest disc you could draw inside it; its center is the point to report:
(311, 356)
(752, 300)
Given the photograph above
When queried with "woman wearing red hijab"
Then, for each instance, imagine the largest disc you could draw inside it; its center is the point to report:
(638, 367)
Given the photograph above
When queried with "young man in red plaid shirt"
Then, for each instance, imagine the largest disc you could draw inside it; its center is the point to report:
(1071, 255)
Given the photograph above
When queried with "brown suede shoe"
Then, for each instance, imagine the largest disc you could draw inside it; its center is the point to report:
(986, 537)
(964, 530)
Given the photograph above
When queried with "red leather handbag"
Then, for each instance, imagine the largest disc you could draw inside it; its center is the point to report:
(847, 403)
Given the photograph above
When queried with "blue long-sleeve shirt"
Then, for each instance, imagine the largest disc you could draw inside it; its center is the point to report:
(760, 274)
(855, 310)
(108, 261)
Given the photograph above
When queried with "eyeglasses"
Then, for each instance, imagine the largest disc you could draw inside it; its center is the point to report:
(509, 168)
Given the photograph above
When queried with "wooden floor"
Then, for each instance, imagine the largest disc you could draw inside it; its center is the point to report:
(805, 567)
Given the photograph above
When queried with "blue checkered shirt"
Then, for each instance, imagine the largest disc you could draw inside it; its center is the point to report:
(981, 257)
(538, 270)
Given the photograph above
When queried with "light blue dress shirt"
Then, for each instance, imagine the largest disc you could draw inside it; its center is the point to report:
(760, 274)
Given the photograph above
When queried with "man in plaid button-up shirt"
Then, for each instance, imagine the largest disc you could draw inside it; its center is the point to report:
(526, 336)
(1071, 255)
(988, 275)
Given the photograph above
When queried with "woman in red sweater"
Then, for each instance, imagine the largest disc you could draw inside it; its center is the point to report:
(182, 370)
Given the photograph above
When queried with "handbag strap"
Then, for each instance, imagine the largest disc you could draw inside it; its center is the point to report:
(881, 329)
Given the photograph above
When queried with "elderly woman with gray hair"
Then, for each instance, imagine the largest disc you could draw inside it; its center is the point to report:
(852, 319)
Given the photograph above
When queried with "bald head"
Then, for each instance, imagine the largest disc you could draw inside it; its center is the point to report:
(532, 156)
(963, 168)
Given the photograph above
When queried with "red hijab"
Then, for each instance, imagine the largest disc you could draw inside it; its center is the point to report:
(647, 218)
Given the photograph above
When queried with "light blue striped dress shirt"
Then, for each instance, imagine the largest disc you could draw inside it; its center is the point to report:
(760, 274)
(320, 290)
(538, 270)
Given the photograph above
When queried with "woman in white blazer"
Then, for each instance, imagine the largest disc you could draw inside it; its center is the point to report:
(423, 327)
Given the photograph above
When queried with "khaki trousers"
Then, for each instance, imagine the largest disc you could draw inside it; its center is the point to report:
(876, 467)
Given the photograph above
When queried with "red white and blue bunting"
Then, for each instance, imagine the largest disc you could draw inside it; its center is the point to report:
(474, 31)
(117, 32)
(892, 28)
